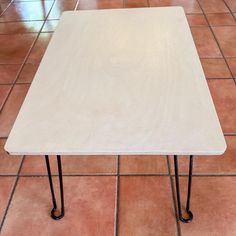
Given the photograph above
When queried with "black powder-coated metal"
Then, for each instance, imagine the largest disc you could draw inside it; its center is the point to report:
(54, 209)
(181, 218)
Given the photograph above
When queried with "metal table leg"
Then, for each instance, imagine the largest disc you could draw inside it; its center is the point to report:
(53, 215)
(185, 220)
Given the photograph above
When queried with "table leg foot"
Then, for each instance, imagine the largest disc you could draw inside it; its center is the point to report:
(190, 215)
(54, 209)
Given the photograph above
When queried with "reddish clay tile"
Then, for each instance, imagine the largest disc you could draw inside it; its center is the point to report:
(8, 164)
(6, 184)
(224, 164)
(197, 20)
(35, 165)
(146, 206)
(190, 6)
(224, 96)
(39, 48)
(50, 25)
(60, 6)
(8, 73)
(220, 19)
(231, 4)
(20, 11)
(11, 108)
(3, 7)
(213, 6)
(143, 164)
(20, 27)
(226, 37)
(135, 3)
(27, 73)
(4, 90)
(99, 4)
(205, 42)
(89, 207)
(215, 68)
(14, 47)
(232, 65)
(213, 203)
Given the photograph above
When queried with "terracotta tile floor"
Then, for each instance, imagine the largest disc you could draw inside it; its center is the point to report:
(140, 200)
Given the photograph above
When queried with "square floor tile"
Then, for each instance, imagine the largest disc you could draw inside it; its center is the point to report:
(20, 27)
(99, 4)
(145, 164)
(8, 164)
(8, 73)
(146, 206)
(11, 108)
(215, 68)
(232, 65)
(27, 73)
(6, 184)
(226, 37)
(39, 48)
(197, 20)
(4, 91)
(14, 47)
(213, 6)
(221, 19)
(190, 6)
(213, 203)
(35, 165)
(205, 42)
(223, 164)
(20, 11)
(60, 6)
(135, 3)
(89, 207)
(231, 4)
(223, 93)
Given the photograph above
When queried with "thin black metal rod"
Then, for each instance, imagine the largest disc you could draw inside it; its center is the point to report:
(189, 182)
(53, 215)
(185, 220)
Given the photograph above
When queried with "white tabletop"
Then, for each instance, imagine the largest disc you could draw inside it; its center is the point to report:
(124, 81)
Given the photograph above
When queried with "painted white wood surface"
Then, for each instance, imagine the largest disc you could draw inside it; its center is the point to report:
(124, 81)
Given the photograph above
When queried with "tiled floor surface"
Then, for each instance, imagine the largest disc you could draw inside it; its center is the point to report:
(140, 202)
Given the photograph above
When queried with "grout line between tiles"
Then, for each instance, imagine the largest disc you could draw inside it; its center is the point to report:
(126, 175)
(22, 83)
(219, 78)
(90, 174)
(25, 33)
(24, 20)
(217, 42)
(26, 57)
(206, 13)
(11, 195)
(229, 9)
(206, 175)
(1, 14)
(116, 231)
(173, 197)
(229, 134)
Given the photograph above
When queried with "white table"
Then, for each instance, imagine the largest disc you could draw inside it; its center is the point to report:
(124, 81)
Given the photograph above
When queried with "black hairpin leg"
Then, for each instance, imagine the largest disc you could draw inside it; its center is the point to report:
(185, 220)
(53, 215)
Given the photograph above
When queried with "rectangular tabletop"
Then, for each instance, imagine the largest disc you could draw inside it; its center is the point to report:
(123, 81)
